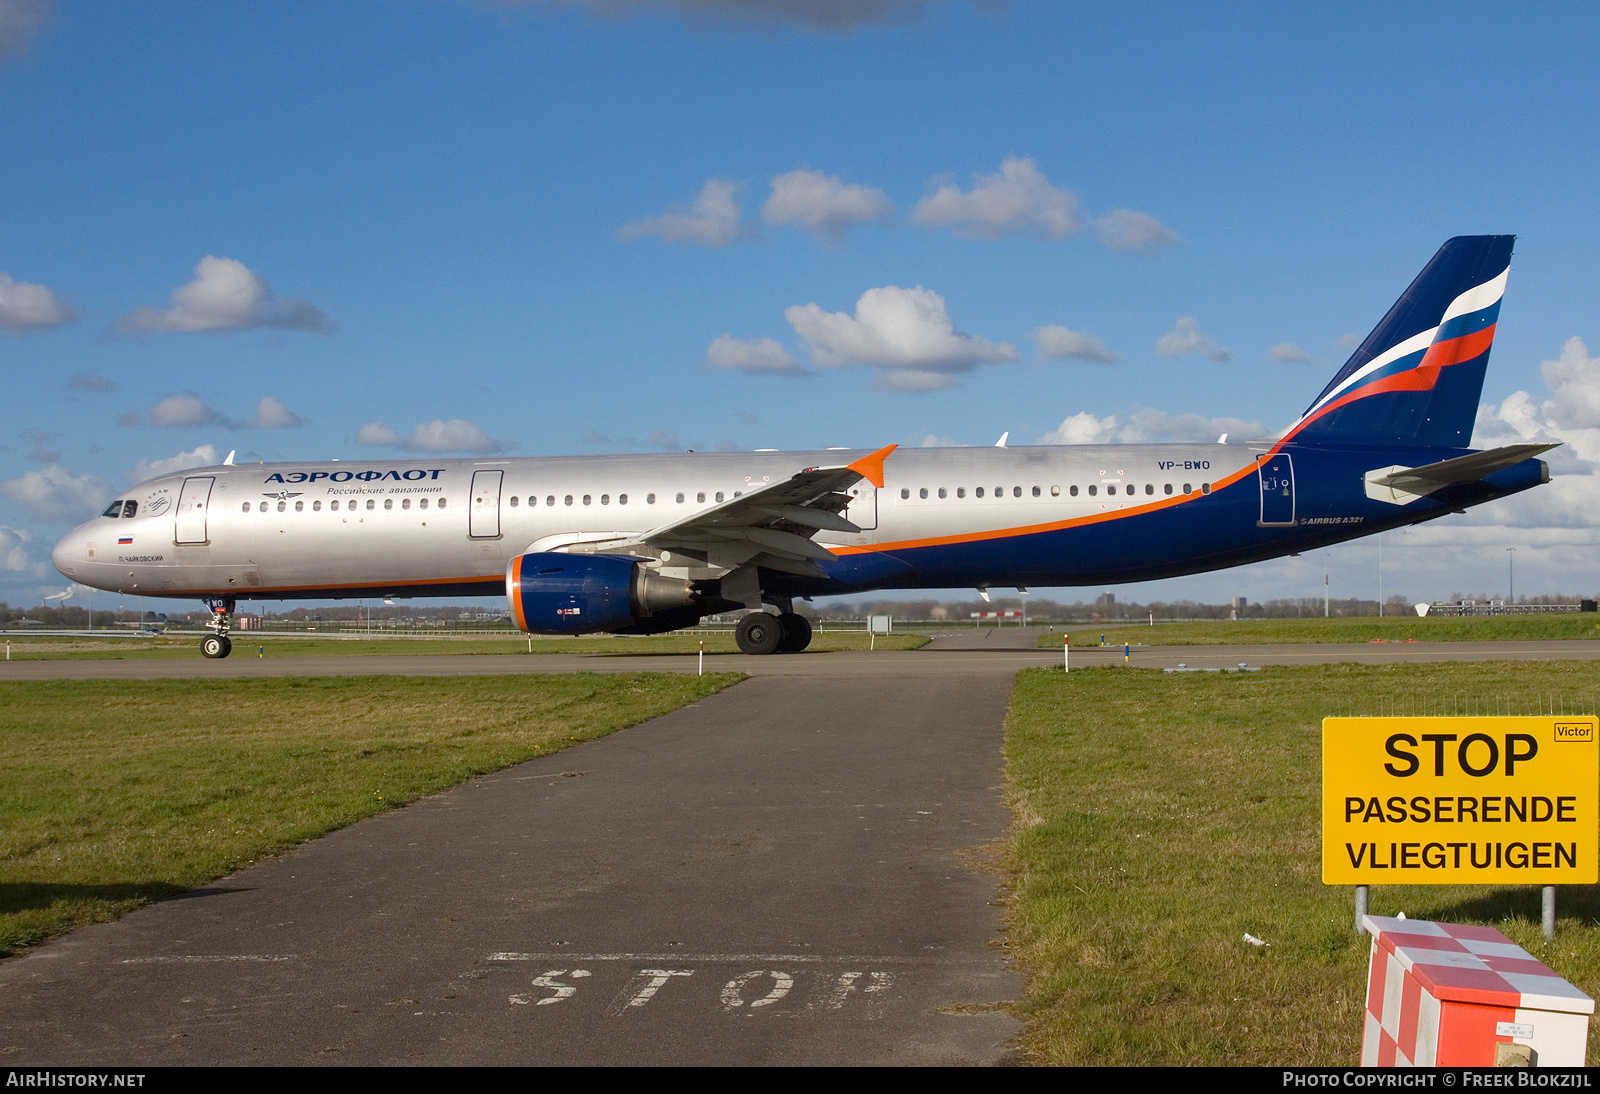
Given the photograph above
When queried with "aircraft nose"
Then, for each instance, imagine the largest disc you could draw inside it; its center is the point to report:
(62, 557)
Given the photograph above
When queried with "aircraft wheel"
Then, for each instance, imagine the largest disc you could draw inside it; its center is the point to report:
(216, 646)
(796, 632)
(759, 632)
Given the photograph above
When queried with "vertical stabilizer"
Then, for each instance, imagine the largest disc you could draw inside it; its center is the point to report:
(1416, 380)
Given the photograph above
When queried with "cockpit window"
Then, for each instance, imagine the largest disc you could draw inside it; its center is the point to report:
(114, 509)
(130, 508)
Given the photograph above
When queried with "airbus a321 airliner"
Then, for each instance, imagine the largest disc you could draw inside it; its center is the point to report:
(644, 544)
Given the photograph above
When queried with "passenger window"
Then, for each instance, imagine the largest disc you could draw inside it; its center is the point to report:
(999, 491)
(622, 499)
(719, 495)
(1035, 491)
(1073, 490)
(1111, 489)
(978, 493)
(333, 506)
(905, 493)
(605, 499)
(422, 503)
(533, 499)
(1205, 488)
(1167, 489)
(551, 500)
(588, 499)
(961, 491)
(1092, 490)
(680, 499)
(923, 492)
(316, 507)
(1055, 491)
(1187, 489)
(246, 508)
(442, 501)
(515, 501)
(649, 499)
(281, 507)
(371, 504)
(405, 503)
(130, 509)
(388, 503)
(569, 499)
(1016, 491)
(738, 493)
(942, 493)
(299, 507)
(1149, 488)
(701, 496)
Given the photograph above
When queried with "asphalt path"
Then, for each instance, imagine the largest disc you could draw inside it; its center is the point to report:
(794, 871)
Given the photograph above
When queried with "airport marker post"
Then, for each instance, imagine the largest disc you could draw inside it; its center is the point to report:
(702, 657)
(1066, 652)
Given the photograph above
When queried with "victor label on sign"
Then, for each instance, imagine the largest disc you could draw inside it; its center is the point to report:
(1417, 801)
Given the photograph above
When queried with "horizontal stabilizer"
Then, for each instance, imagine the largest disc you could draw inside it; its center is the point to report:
(1405, 484)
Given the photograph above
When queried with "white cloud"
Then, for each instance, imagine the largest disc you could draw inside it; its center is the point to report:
(54, 494)
(1349, 341)
(186, 411)
(1130, 230)
(753, 355)
(1187, 337)
(1146, 426)
(1017, 198)
(1056, 342)
(664, 439)
(16, 557)
(933, 440)
(19, 22)
(180, 411)
(715, 219)
(905, 333)
(25, 307)
(1289, 353)
(272, 414)
(435, 436)
(823, 205)
(226, 295)
(204, 456)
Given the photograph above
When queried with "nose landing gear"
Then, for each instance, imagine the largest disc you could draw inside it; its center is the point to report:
(218, 645)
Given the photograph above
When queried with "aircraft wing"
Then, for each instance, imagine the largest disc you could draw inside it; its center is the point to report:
(1479, 465)
(771, 525)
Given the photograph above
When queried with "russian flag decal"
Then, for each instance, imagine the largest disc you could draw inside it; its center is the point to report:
(123, 541)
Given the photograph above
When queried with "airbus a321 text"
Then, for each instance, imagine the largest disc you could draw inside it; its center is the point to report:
(644, 544)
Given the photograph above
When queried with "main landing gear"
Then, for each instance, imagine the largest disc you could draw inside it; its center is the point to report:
(218, 645)
(762, 632)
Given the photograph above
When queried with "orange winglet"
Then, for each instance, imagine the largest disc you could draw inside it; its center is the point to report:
(871, 467)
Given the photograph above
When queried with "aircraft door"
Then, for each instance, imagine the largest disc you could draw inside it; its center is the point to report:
(1277, 491)
(191, 515)
(484, 520)
(863, 508)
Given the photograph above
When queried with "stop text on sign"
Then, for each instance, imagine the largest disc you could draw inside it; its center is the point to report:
(1460, 800)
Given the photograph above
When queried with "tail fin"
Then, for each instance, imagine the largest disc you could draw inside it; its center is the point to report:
(1416, 379)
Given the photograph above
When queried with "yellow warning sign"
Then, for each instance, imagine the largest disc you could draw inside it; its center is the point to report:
(1436, 801)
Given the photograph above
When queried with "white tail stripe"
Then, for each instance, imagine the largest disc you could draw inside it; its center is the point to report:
(1476, 299)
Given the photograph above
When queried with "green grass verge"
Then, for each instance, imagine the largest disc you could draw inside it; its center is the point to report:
(247, 645)
(1160, 817)
(114, 794)
(1492, 628)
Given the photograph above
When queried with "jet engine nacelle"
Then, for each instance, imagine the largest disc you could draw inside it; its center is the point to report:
(555, 593)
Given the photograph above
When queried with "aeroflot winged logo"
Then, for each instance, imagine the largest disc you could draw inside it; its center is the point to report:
(412, 475)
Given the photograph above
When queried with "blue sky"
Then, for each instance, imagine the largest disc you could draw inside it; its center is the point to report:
(479, 220)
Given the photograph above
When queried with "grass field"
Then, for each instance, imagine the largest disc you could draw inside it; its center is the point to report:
(246, 644)
(1160, 817)
(1491, 628)
(114, 794)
